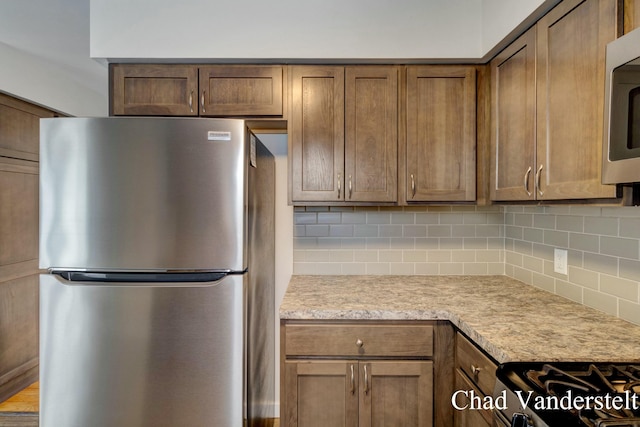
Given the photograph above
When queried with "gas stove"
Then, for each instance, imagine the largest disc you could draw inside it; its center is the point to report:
(568, 394)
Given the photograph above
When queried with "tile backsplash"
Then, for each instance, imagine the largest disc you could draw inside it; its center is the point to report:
(395, 240)
(603, 245)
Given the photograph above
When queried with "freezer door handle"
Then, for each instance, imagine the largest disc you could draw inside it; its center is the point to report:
(139, 277)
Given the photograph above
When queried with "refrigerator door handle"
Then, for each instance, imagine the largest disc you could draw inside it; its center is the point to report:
(141, 277)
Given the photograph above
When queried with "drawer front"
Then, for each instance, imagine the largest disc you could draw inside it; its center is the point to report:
(475, 364)
(359, 340)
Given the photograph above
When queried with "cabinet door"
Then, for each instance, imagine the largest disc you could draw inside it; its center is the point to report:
(631, 15)
(571, 41)
(441, 134)
(316, 134)
(20, 128)
(241, 90)
(468, 417)
(320, 394)
(18, 275)
(396, 393)
(154, 90)
(513, 112)
(371, 146)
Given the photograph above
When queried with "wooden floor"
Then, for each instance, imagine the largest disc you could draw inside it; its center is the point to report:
(16, 411)
(24, 401)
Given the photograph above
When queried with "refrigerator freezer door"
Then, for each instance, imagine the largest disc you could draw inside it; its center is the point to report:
(141, 356)
(151, 194)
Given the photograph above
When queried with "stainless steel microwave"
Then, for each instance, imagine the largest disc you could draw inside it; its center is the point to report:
(621, 142)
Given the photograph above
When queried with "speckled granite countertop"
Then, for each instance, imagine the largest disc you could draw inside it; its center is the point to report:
(510, 320)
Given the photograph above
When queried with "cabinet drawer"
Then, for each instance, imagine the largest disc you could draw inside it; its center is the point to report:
(359, 340)
(475, 364)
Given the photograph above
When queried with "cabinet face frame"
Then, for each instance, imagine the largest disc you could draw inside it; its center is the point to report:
(440, 130)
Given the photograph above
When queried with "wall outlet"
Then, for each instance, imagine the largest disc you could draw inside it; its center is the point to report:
(560, 261)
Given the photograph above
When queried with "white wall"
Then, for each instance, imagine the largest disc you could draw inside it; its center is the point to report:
(500, 17)
(36, 80)
(358, 29)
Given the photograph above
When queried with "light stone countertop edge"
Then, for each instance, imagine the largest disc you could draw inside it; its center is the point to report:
(509, 320)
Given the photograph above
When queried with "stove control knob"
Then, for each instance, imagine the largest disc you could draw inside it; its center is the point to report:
(521, 420)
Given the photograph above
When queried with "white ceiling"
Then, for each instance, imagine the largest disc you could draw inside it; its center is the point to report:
(56, 31)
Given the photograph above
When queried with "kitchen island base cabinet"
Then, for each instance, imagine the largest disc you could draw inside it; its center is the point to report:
(352, 393)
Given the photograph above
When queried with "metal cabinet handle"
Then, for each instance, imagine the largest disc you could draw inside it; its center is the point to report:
(366, 380)
(413, 186)
(353, 381)
(339, 185)
(526, 181)
(359, 342)
(191, 102)
(475, 370)
(538, 175)
(202, 100)
(350, 189)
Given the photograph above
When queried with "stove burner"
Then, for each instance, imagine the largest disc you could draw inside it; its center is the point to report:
(595, 380)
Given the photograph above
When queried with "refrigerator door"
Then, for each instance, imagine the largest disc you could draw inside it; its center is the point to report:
(141, 355)
(143, 194)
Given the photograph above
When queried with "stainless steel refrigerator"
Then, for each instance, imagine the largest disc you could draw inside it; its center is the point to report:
(158, 308)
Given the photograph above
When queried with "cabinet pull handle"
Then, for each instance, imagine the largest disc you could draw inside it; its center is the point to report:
(350, 189)
(526, 181)
(191, 102)
(339, 185)
(366, 380)
(413, 186)
(353, 381)
(202, 100)
(475, 371)
(538, 177)
(359, 342)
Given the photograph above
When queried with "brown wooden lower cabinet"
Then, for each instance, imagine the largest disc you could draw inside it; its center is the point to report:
(359, 393)
(366, 373)
(475, 374)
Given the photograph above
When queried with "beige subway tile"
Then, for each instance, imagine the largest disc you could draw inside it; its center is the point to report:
(479, 268)
(543, 282)
(569, 290)
(463, 256)
(413, 256)
(439, 256)
(376, 268)
(392, 255)
(354, 268)
(582, 277)
(365, 256)
(428, 268)
(599, 301)
(622, 288)
(401, 268)
(629, 311)
(454, 268)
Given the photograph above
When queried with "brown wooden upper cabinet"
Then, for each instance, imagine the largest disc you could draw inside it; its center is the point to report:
(440, 153)
(343, 134)
(192, 90)
(631, 15)
(549, 147)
